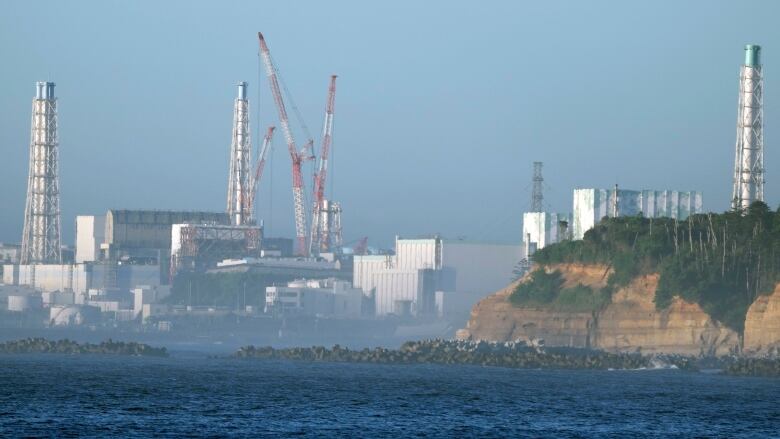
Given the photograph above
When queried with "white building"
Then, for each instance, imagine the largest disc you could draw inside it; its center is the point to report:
(327, 297)
(147, 295)
(90, 233)
(10, 253)
(543, 228)
(410, 279)
(591, 205)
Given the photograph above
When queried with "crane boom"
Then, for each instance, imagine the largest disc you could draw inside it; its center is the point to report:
(259, 168)
(317, 238)
(297, 177)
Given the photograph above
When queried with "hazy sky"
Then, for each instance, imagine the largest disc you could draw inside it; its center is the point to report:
(441, 107)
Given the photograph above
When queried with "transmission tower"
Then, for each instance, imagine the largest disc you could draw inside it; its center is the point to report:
(41, 236)
(239, 205)
(537, 198)
(749, 154)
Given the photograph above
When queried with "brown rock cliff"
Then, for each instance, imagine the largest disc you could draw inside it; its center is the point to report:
(630, 323)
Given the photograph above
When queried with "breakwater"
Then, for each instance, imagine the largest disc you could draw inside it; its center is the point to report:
(761, 367)
(499, 354)
(109, 347)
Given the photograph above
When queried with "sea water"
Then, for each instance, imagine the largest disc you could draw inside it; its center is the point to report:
(92, 395)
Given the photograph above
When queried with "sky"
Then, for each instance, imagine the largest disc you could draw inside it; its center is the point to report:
(441, 108)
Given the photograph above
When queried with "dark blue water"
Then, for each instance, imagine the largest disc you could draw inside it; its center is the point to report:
(55, 395)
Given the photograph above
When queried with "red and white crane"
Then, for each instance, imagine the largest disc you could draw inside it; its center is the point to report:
(296, 156)
(259, 169)
(319, 241)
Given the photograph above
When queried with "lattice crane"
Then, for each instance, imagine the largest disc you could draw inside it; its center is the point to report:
(259, 170)
(318, 240)
(297, 156)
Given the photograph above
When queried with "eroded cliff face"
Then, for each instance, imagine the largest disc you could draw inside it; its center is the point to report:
(762, 325)
(630, 323)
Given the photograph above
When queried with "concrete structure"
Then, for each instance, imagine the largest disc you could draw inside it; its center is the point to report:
(41, 236)
(10, 253)
(153, 309)
(59, 277)
(543, 228)
(90, 233)
(591, 205)
(73, 315)
(749, 155)
(25, 302)
(128, 230)
(146, 295)
(53, 298)
(422, 267)
(328, 297)
(144, 237)
(201, 246)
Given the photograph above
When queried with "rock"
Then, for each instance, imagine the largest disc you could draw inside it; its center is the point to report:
(762, 325)
(630, 323)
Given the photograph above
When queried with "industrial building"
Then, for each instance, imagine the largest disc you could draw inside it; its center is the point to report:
(90, 235)
(408, 281)
(591, 205)
(328, 297)
(10, 253)
(202, 246)
(544, 228)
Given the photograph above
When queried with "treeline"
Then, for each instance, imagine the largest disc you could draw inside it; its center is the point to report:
(720, 261)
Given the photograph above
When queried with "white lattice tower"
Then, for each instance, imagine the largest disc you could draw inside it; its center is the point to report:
(749, 151)
(41, 236)
(239, 204)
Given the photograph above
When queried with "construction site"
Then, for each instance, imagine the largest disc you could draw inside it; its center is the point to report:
(169, 271)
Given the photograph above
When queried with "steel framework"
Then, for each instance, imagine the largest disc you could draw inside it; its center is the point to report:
(749, 153)
(239, 206)
(324, 214)
(537, 198)
(41, 236)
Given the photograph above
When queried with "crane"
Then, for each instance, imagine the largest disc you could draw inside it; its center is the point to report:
(318, 240)
(259, 169)
(296, 156)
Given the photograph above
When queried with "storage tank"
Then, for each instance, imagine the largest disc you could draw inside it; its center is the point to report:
(24, 302)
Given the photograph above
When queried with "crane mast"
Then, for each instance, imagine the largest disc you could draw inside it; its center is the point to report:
(259, 170)
(318, 239)
(297, 159)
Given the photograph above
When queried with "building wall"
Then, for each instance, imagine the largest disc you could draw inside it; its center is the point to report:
(10, 253)
(90, 233)
(544, 228)
(47, 278)
(417, 253)
(151, 228)
(363, 268)
(393, 285)
(591, 205)
(470, 268)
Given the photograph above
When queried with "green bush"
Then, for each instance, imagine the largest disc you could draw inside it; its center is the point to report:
(545, 290)
(720, 261)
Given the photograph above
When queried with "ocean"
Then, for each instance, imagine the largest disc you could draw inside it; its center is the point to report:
(191, 395)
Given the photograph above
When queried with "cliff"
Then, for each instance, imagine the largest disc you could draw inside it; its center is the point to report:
(762, 325)
(630, 323)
